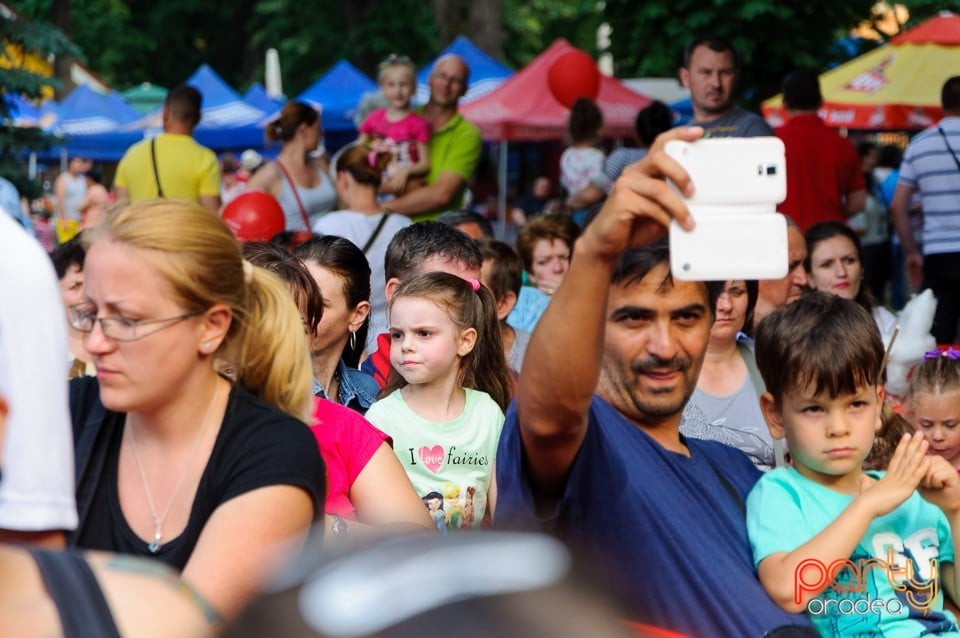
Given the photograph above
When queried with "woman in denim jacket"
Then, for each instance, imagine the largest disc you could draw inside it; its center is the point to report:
(342, 273)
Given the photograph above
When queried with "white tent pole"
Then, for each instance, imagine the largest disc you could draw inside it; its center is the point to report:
(502, 190)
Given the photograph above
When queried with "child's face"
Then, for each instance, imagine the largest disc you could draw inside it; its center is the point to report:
(398, 84)
(828, 437)
(937, 415)
(425, 345)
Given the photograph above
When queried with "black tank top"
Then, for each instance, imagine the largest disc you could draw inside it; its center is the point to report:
(83, 610)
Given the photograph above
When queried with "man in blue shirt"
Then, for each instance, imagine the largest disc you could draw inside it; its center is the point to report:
(591, 450)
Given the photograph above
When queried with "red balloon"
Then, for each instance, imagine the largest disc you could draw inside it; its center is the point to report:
(573, 75)
(254, 216)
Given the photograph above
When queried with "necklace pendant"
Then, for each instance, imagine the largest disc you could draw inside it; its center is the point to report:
(154, 545)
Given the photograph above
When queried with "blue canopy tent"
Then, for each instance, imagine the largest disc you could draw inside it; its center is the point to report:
(256, 96)
(336, 95)
(486, 74)
(92, 126)
(227, 121)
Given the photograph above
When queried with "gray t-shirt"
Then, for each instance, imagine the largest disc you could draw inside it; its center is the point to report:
(735, 420)
(737, 123)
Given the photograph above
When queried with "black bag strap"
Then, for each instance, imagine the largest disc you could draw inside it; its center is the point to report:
(156, 173)
(947, 144)
(376, 232)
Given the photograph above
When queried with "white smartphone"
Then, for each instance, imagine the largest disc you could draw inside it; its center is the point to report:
(738, 183)
(735, 246)
(742, 174)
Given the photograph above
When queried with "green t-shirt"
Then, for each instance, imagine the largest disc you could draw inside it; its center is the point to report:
(450, 464)
(454, 148)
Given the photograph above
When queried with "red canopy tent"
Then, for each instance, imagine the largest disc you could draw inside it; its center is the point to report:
(524, 109)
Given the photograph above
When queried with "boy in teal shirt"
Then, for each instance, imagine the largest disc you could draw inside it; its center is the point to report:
(860, 552)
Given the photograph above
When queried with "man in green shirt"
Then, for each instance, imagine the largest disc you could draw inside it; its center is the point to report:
(455, 145)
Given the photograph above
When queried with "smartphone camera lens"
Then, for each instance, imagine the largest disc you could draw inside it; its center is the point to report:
(771, 169)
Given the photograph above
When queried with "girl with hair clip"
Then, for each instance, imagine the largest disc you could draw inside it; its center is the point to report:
(176, 461)
(449, 385)
(365, 483)
(297, 178)
(933, 402)
(365, 223)
(397, 129)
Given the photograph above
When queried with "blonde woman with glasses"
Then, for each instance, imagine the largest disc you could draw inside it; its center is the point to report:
(176, 461)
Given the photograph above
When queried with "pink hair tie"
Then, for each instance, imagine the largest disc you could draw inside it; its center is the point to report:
(475, 284)
(372, 158)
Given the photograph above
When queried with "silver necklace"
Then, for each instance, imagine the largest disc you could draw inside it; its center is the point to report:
(154, 545)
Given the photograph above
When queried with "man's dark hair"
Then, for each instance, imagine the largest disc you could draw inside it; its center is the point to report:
(820, 341)
(413, 245)
(653, 120)
(68, 254)
(801, 90)
(456, 217)
(714, 43)
(950, 94)
(184, 103)
(636, 263)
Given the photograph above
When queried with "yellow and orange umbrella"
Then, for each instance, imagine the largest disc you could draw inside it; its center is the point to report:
(894, 87)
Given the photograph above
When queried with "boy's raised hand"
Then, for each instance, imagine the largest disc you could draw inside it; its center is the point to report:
(941, 485)
(908, 467)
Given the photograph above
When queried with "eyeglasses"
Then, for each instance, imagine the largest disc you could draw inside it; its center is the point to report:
(119, 328)
(446, 77)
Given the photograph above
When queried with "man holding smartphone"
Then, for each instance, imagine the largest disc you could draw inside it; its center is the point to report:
(591, 449)
(711, 70)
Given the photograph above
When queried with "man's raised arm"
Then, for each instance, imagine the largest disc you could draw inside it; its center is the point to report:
(563, 360)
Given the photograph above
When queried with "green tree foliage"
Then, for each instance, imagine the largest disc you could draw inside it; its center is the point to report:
(772, 37)
(532, 25)
(33, 38)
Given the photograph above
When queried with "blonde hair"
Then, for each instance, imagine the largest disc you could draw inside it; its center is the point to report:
(197, 255)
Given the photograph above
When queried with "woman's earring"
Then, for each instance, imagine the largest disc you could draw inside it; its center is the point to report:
(206, 346)
(353, 340)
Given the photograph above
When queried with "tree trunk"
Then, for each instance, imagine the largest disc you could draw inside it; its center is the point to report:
(486, 26)
(61, 17)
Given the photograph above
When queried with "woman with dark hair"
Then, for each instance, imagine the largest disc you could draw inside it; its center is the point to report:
(298, 180)
(725, 406)
(835, 266)
(359, 170)
(342, 276)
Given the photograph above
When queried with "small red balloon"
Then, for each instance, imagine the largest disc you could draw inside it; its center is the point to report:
(573, 75)
(254, 216)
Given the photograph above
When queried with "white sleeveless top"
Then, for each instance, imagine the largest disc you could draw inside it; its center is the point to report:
(76, 192)
(319, 199)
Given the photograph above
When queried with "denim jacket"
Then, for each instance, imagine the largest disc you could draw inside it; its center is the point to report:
(358, 390)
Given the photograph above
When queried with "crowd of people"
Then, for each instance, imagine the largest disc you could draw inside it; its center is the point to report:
(186, 414)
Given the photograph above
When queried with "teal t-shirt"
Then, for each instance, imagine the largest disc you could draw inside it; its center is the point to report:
(785, 510)
(450, 464)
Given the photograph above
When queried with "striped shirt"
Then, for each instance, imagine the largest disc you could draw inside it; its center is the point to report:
(930, 167)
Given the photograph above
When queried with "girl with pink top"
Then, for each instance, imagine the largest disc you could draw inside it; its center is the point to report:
(397, 129)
